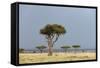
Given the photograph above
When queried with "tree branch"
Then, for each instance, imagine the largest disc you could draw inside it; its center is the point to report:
(52, 36)
(57, 36)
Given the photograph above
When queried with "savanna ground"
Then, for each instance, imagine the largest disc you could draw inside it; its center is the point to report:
(56, 57)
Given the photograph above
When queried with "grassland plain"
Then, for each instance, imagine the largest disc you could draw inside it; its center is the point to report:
(25, 58)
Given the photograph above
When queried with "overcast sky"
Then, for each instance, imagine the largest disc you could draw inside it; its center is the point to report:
(78, 22)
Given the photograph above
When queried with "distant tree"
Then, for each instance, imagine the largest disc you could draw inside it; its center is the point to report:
(52, 33)
(34, 51)
(41, 48)
(76, 46)
(21, 50)
(65, 48)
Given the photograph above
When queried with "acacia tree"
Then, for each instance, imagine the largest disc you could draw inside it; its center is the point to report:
(21, 50)
(52, 33)
(76, 46)
(41, 48)
(65, 48)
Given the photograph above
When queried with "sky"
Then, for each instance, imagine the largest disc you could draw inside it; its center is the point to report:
(80, 24)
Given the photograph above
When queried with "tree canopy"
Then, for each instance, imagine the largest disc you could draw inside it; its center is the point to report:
(76, 46)
(65, 47)
(53, 29)
(41, 47)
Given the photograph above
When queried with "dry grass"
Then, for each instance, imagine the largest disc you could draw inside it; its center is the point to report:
(56, 57)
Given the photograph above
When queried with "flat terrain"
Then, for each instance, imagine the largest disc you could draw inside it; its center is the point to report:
(56, 57)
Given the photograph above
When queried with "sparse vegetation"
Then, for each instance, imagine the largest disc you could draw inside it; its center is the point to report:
(52, 34)
(65, 48)
(41, 48)
(21, 50)
(76, 46)
(42, 57)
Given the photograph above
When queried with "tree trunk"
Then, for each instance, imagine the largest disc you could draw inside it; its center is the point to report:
(50, 47)
(41, 51)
